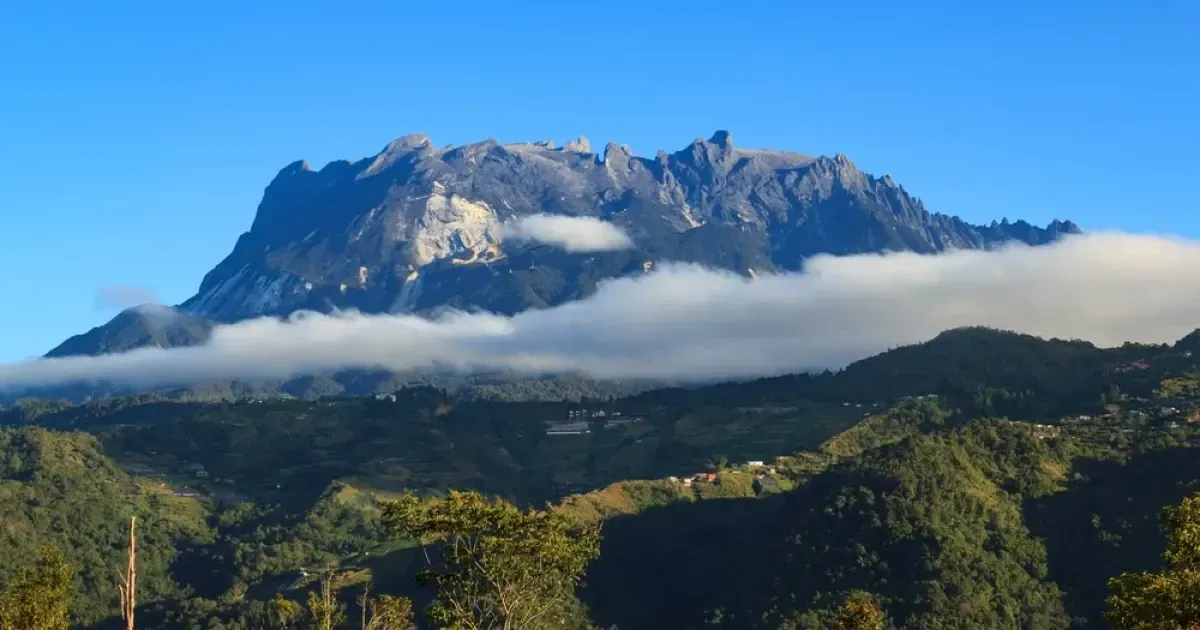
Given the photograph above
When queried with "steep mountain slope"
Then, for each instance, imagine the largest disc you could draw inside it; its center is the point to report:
(418, 228)
(137, 328)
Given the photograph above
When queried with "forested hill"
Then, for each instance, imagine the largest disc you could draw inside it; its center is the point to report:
(751, 505)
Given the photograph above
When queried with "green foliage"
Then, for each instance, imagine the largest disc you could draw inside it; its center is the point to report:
(329, 531)
(860, 613)
(497, 566)
(283, 613)
(1167, 599)
(933, 525)
(386, 612)
(949, 522)
(37, 597)
(59, 489)
(326, 611)
(1187, 387)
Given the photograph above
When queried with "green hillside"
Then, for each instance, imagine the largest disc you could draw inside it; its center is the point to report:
(60, 489)
(743, 505)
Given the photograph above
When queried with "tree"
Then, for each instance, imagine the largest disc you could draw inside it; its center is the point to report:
(385, 612)
(495, 567)
(1164, 599)
(37, 598)
(127, 584)
(327, 611)
(718, 464)
(283, 613)
(859, 612)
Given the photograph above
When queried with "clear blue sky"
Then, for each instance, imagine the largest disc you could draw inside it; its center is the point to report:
(136, 137)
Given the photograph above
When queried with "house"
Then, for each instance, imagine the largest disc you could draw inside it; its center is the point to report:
(687, 481)
(755, 463)
(1041, 431)
(710, 477)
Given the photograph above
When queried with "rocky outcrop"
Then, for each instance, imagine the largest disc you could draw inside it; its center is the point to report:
(449, 227)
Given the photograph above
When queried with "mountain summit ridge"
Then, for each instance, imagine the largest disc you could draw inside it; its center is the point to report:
(416, 227)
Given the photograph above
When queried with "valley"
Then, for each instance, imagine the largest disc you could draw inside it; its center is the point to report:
(246, 497)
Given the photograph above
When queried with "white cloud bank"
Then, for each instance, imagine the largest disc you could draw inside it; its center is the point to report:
(573, 234)
(683, 322)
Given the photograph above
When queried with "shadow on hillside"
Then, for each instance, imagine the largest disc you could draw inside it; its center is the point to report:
(748, 563)
(1107, 523)
(675, 566)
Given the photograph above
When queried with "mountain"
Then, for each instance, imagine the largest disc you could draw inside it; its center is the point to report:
(138, 327)
(417, 228)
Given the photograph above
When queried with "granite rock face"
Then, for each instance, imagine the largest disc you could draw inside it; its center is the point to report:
(417, 228)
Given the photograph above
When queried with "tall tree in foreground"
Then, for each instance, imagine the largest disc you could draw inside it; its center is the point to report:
(327, 611)
(1168, 599)
(385, 612)
(127, 585)
(495, 566)
(37, 597)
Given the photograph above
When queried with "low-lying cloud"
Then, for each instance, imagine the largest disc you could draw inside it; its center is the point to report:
(684, 322)
(573, 234)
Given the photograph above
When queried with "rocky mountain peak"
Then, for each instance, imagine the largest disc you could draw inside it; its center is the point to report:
(722, 139)
(408, 142)
(417, 228)
(617, 155)
(578, 145)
